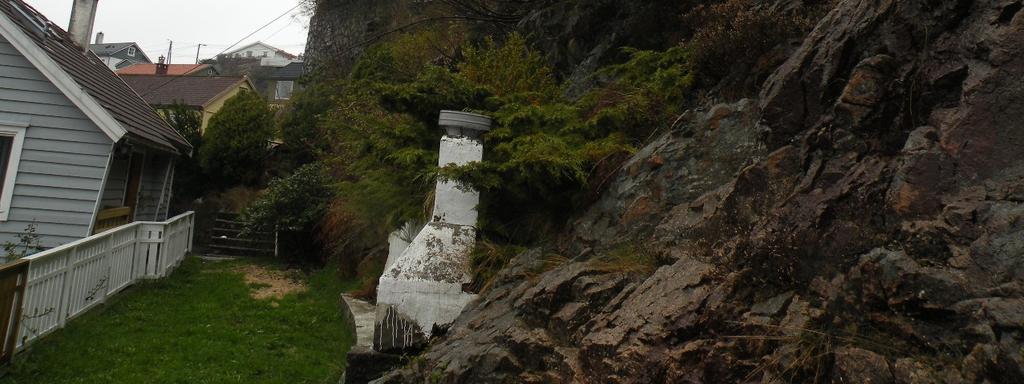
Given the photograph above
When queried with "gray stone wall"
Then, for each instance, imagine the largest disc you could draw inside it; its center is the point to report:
(340, 30)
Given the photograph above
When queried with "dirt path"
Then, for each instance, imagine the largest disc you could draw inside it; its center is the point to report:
(269, 284)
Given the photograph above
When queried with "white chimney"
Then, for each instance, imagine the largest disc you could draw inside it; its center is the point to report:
(83, 15)
(99, 38)
(422, 288)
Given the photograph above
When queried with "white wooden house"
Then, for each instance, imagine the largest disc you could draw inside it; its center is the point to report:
(261, 50)
(80, 151)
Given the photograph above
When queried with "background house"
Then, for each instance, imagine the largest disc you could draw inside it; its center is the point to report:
(261, 51)
(169, 70)
(274, 72)
(118, 55)
(282, 82)
(206, 94)
(80, 150)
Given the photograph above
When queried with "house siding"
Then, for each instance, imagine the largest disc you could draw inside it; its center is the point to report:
(63, 161)
(117, 183)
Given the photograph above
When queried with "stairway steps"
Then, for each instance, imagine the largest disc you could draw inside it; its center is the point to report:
(225, 238)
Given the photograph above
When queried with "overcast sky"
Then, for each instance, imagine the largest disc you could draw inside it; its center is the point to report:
(218, 23)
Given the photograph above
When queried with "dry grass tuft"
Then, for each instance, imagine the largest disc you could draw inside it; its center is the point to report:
(739, 33)
(631, 258)
(804, 355)
(487, 260)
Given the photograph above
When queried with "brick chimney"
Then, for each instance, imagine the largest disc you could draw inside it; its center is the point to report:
(83, 15)
(161, 67)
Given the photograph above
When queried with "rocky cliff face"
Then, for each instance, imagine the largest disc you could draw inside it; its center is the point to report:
(340, 30)
(580, 36)
(861, 221)
(565, 31)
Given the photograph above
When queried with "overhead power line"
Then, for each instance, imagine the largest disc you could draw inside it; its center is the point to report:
(259, 29)
(174, 78)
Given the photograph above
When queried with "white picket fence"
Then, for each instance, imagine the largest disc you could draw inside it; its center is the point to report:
(67, 281)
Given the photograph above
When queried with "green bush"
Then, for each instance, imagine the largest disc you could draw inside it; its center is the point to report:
(510, 69)
(293, 206)
(541, 156)
(186, 120)
(545, 158)
(294, 203)
(299, 126)
(190, 182)
(237, 141)
(407, 55)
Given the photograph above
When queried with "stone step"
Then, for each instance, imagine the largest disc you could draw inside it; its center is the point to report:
(241, 251)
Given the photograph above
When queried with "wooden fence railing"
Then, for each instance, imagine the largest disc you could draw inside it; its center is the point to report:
(13, 279)
(67, 281)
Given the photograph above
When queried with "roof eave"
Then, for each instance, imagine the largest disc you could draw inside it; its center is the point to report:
(171, 150)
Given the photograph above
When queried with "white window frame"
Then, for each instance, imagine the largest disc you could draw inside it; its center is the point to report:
(131, 51)
(17, 131)
(277, 89)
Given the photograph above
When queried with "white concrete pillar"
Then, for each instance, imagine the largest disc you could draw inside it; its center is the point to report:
(422, 290)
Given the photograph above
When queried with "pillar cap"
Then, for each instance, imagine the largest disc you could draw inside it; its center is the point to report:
(465, 120)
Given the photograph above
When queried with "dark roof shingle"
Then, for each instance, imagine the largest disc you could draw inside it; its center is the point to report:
(136, 117)
(194, 91)
(292, 71)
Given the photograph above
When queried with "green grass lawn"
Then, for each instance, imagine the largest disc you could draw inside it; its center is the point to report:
(197, 326)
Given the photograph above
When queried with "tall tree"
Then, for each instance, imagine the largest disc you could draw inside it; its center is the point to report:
(237, 141)
(189, 181)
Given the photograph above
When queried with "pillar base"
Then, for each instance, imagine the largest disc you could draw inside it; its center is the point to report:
(422, 290)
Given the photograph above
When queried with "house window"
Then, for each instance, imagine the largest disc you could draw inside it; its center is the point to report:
(12, 136)
(264, 53)
(248, 53)
(284, 90)
(131, 51)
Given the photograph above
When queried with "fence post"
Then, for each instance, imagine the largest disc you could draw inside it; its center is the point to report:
(161, 252)
(139, 268)
(65, 302)
(191, 230)
(135, 257)
(109, 255)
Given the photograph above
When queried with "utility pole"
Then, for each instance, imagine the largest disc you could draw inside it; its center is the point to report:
(197, 52)
(170, 51)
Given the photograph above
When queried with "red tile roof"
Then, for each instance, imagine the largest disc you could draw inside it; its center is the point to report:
(172, 69)
(194, 91)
